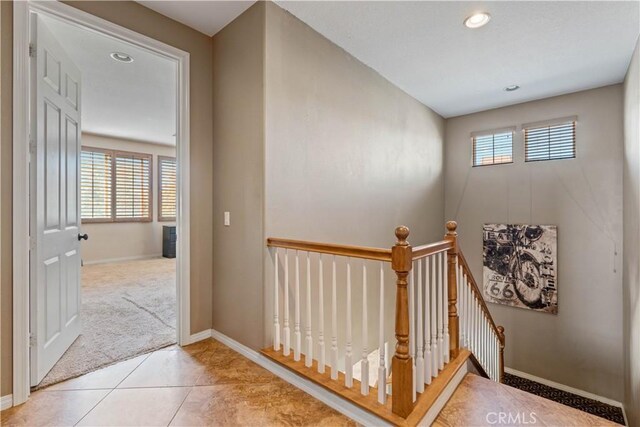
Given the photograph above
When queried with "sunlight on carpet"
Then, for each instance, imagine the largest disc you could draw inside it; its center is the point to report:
(128, 309)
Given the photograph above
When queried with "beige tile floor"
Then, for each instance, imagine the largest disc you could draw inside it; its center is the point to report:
(205, 383)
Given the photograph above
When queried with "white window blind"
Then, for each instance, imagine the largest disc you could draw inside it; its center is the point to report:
(115, 186)
(132, 186)
(167, 188)
(96, 184)
(557, 141)
(493, 149)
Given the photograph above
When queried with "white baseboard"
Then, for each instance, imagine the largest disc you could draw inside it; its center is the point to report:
(202, 335)
(6, 402)
(563, 387)
(124, 259)
(350, 410)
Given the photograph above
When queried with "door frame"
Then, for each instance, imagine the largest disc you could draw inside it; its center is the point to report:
(21, 175)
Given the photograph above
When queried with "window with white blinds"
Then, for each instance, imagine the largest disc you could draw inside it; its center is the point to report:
(553, 142)
(493, 149)
(115, 186)
(167, 188)
(132, 186)
(96, 185)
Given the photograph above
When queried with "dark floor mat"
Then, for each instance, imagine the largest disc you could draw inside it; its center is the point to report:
(594, 407)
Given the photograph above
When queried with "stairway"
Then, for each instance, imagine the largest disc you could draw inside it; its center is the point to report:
(478, 402)
(332, 303)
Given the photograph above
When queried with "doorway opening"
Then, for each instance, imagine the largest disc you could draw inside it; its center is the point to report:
(104, 275)
(123, 109)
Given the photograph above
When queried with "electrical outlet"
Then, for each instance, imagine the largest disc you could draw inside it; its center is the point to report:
(227, 219)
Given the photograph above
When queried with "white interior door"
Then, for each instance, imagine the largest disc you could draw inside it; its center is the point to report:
(55, 202)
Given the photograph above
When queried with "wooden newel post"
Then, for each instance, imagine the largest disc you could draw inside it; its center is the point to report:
(501, 337)
(452, 291)
(401, 364)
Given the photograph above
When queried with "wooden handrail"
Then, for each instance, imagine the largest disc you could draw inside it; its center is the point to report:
(431, 248)
(362, 252)
(476, 291)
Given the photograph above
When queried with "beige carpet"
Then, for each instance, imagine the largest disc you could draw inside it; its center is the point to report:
(128, 309)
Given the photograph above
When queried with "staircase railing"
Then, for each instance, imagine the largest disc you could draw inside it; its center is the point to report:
(439, 310)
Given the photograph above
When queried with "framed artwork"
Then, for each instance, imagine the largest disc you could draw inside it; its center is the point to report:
(520, 266)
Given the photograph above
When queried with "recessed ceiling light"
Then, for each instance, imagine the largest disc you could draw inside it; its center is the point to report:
(477, 20)
(511, 88)
(121, 57)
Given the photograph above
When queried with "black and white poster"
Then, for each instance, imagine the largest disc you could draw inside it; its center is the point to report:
(520, 266)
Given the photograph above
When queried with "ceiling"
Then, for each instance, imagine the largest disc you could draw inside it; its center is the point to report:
(134, 101)
(547, 48)
(208, 17)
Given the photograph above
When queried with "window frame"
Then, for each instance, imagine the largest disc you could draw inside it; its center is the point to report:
(114, 197)
(549, 124)
(160, 217)
(493, 133)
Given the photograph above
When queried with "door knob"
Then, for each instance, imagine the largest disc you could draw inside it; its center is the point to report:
(84, 236)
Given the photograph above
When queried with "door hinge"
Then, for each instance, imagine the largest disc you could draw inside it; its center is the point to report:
(32, 243)
(32, 147)
(32, 50)
(32, 340)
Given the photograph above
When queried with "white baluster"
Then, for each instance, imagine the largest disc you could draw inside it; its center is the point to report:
(493, 355)
(472, 324)
(485, 340)
(428, 364)
(483, 356)
(321, 361)
(441, 314)
(434, 317)
(474, 334)
(308, 357)
(419, 370)
(460, 305)
(477, 304)
(412, 328)
(470, 314)
(297, 344)
(382, 369)
(348, 356)
(287, 330)
(334, 322)
(364, 364)
(465, 307)
(497, 357)
(445, 303)
(276, 309)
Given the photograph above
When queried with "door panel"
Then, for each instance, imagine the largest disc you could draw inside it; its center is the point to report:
(71, 132)
(55, 257)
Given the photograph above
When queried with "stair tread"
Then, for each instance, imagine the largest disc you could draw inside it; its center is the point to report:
(479, 401)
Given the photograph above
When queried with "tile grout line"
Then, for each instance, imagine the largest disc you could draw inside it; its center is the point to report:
(180, 407)
(148, 355)
(94, 407)
(111, 391)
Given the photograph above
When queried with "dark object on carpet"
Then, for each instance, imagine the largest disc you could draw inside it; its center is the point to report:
(594, 407)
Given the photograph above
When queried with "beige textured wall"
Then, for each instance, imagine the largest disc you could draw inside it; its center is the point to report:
(349, 156)
(343, 146)
(145, 21)
(582, 345)
(238, 168)
(631, 272)
(143, 239)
